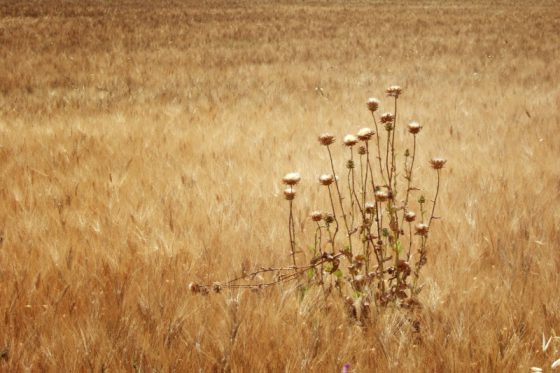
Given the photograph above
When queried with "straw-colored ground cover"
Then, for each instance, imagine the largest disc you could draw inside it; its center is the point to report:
(142, 146)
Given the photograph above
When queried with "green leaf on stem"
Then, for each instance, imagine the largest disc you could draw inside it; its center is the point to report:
(310, 273)
(398, 247)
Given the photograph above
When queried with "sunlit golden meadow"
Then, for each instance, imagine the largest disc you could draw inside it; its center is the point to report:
(142, 146)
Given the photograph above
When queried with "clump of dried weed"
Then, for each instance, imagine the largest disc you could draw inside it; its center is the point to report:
(378, 258)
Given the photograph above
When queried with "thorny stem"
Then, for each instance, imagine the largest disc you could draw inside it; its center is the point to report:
(334, 216)
(354, 195)
(348, 232)
(378, 148)
(380, 260)
(362, 205)
(393, 177)
(360, 208)
(425, 238)
(318, 239)
(378, 222)
(422, 211)
(318, 243)
(368, 165)
(422, 252)
(393, 167)
(281, 277)
(409, 179)
(387, 159)
(291, 228)
(257, 272)
(364, 192)
(435, 201)
(351, 186)
(419, 263)
(362, 179)
(410, 241)
(331, 237)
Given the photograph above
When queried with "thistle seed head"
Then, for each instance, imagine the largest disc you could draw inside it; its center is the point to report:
(326, 179)
(437, 163)
(372, 104)
(365, 134)
(410, 216)
(328, 217)
(326, 139)
(316, 215)
(414, 127)
(194, 287)
(289, 194)
(394, 91)
(421, 229)
(381, 196)
(350, 140)
(292, 178)
(387, 118)
(369, 207)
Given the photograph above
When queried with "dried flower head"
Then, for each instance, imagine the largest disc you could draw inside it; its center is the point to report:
(362, 150)
(372, 104)
(410, 216)
(394, 91)
(350, 140)
(365, 134)
(194, 287)
(326, 139)
(437, 163)
(369, 207)
(421, 229)
(328, 217)
(350, 164)
(292, 178)
(289, 193)
(414, 127)
(316, 215)
(381, 196)
(326, 179)
(359, 281)
(387, 118)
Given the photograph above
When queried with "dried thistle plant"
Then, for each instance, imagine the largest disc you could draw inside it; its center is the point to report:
(291, 180)
(368, 265)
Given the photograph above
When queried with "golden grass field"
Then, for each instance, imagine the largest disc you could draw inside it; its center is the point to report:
(142, 146)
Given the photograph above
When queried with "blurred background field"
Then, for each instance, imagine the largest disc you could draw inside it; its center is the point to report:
(142, 146)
